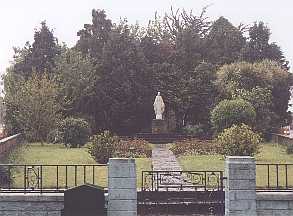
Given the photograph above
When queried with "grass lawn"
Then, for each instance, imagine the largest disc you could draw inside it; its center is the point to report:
(269, 153)
(57, 154)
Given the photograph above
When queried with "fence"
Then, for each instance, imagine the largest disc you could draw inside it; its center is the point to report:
(274, 177)
(49, 178)
(282, 139)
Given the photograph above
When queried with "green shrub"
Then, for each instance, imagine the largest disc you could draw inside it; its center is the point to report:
(289, 149)
(195, 147)
(133, 148)
(74, 131)
(239, 140)
(230, 112)
(103, 146)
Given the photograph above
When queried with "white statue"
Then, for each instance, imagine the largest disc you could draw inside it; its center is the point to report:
(159, 106)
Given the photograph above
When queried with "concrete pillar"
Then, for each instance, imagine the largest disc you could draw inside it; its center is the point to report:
(240, 194)
(122, 192)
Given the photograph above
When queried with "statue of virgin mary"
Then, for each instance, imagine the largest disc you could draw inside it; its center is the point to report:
(159, 106)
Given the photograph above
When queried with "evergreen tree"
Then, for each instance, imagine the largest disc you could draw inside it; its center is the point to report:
(259, 48)
(223, 43)
(39, 56)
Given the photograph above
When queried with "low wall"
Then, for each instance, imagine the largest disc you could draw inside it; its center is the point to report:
(8, 143)
(31, 204)
(274, 203)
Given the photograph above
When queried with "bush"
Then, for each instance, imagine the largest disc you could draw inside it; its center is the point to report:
(74, 132)
(239, 140)
(133, 148)
(230, 112)
(103, 146)
(195, 146)
(290, 149)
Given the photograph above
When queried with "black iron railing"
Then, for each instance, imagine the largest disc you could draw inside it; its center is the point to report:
(49, 178)
(274, 177)
(182, 180)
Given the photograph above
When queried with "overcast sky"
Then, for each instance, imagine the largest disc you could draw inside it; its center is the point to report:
(19, 18)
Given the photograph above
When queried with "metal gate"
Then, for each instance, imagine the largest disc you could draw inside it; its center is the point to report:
(181, 192)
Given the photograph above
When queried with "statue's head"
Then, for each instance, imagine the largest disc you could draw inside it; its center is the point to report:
(159, 93)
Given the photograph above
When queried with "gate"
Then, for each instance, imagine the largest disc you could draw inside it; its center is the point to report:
(182, 192)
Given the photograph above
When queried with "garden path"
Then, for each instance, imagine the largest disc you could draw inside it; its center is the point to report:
(164, 160)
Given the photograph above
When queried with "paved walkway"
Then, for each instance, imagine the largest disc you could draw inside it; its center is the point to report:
(164, 160)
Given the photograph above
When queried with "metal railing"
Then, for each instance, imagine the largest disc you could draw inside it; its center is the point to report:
(39, 178)
(182, 180)
(274, 177)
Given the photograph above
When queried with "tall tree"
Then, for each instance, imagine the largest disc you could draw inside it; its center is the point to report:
(187, 32)
(120, 93)
(124, 87)
(44, 49)
(93, 36)
(259, 47)
(76, 76)
(223, 43)
(39, 56)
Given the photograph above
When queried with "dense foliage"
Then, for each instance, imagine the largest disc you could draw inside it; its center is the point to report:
(230, 112)
(239, 140)
(74, 132)
(265, 80)
(112, 74)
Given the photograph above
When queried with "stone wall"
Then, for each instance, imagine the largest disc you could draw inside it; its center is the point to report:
(31, 204)
(274, 203)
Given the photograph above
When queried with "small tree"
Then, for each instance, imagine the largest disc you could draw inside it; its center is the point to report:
(33, 107)
(239, 140)
(229, 112)
(74, 131)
